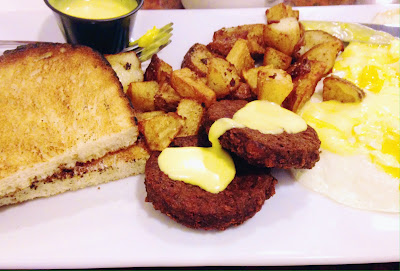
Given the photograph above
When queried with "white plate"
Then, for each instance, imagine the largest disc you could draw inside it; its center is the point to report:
(112, 226)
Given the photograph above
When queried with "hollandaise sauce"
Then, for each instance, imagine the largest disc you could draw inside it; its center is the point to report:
(94, 9)
(370, 128)
(212, 168)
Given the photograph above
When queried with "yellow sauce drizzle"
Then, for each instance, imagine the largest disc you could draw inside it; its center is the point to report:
(212, 168)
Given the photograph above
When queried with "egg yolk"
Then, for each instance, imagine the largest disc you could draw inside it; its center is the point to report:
(370, 127)
(212, 168)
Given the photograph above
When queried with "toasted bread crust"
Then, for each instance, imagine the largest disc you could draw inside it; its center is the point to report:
(59, 104)
(113, 166)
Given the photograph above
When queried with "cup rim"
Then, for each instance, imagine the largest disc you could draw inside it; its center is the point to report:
(139, 2)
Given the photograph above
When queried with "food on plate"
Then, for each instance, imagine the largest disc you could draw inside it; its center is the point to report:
(274, 85)
(361, 138)
(205, 187)
(160, 129)
(158, 70)
(341, 90)
(61, 106)
(192, 113)
(196, 59)
(305, 77)
(313, 38)
(113, 166)
(166, 98)
(283, 35)
(142, 94)
(196, 208)
(127, 66)
(276, 59)
(240, 56)
(222, 77)
(251, 76)
(325, 52)
(281, 11)
(225, 38)
(187, 84)
(280, 147)
(348, 118)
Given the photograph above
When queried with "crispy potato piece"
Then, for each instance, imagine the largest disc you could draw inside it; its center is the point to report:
(127, 66)
(274, 85)
(192, 113)
(251, 76)
(312, 38)
(276, 58)
(166, 98)
(243, 92)
(341, 90)
(158, 70)
(305, 76)
(225, 38)
(280, 11)
(283, 35)
(196, 59)
(222, 77)
(240, 56)
(187, 85)
(325, 52)
(141, 116)
(141, 95)
(160, 130)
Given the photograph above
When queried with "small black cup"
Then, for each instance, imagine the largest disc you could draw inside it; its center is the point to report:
(108, 36)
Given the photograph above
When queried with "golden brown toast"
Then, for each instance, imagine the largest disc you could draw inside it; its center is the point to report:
(59, 105)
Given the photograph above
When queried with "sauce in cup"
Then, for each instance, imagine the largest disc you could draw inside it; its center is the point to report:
(94, 9)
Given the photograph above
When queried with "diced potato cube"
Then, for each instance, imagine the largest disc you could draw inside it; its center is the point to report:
(280, 11)
(225, 38)
(251, 76)
(159, 131)
(325, 52)
(274, 85)
(312, 38)
(197, 58)
(142, 95)
(158, 70)
(305, 76)
(240, 56)
(276, 59)
(192, 113)
(283, 35)
(127, 66)
(141, 116)
(166, 99)
(187, 84)
(222, 77)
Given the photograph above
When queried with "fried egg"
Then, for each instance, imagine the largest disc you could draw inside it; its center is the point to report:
(360, 152)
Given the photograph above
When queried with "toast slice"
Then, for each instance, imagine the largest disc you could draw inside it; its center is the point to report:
(113, 166)
(59, 105)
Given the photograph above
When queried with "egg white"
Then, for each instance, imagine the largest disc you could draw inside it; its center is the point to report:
(353, 181)
(351, 178)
